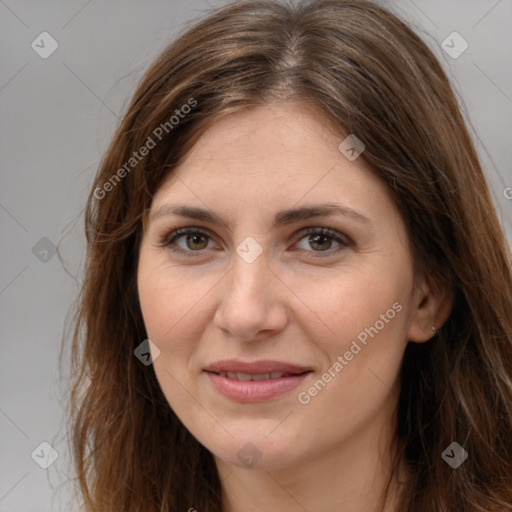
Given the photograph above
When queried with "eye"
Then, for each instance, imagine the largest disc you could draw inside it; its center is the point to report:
(322, 239)
(186, 240)
(191, 240)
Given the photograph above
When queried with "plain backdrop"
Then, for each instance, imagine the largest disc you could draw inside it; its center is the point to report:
(57, 116)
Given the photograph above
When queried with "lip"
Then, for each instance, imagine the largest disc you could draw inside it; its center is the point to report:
(255, 390)
(264, 366)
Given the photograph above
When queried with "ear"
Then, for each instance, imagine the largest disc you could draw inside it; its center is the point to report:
(432, 305)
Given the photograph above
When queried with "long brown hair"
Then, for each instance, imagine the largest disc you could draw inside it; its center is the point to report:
(366, 73)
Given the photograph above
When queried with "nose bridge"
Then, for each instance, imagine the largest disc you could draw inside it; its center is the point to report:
(250, 262)
(249, 279)
(249, 303)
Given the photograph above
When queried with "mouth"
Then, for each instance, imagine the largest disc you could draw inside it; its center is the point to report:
(256, 376)
(255, 382)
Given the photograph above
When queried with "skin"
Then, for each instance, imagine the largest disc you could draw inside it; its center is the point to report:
(303, 300)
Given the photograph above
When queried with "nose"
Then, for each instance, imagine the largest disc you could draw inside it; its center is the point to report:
(252, 305)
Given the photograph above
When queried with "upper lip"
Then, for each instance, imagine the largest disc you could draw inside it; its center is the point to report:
(256, 367)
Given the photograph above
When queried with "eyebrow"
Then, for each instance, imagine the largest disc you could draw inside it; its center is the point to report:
(282, 218)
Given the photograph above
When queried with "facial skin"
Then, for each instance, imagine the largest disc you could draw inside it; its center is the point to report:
(303, 300)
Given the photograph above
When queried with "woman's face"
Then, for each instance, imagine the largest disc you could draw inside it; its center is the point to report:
(322, 316)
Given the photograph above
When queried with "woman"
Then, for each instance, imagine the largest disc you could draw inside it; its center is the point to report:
(298, 293)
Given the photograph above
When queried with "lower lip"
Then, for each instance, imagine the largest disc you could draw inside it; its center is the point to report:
(254, 390)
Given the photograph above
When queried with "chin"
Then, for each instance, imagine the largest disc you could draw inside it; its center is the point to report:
(256, 452)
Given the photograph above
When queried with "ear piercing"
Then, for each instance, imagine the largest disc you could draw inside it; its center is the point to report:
(433, 329)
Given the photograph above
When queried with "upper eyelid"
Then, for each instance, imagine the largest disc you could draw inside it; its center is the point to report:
(176, 233)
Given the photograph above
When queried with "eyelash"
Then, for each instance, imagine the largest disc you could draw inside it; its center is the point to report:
(170, 239)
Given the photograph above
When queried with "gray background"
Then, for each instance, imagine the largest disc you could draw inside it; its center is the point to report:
(57, 116)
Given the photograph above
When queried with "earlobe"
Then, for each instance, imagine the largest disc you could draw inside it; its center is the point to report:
(432, 307)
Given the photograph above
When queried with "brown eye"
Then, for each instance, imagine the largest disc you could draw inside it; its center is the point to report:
(322, 240)
(186, 241)
(196, 241)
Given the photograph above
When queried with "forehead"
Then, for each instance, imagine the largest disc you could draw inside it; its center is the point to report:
(277, 133)
(255, 164)
(283, 145)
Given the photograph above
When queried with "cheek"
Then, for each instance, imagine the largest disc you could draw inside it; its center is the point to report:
(337, 310)
(360, 325)
(173, 310)
(176, 308)
(363, 349)
(168, 298)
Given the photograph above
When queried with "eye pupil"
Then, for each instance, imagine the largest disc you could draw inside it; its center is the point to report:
(195, 237)
(315, 238)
